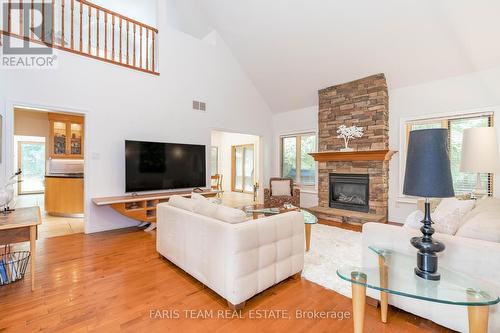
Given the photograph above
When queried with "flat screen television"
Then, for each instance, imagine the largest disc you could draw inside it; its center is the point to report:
(151, 166)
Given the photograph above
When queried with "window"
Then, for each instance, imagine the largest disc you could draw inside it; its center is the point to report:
(214, 160)
(296, 163)
(463, 182)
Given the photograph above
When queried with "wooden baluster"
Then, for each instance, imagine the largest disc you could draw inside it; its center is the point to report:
(140, 46)
(97, 48)
(113, 37)
(72, 24)
(90, 30)
(147, 48)
(62, 23)
(52, 32)
(134, 44)
(121, 39)
(81, 26)
(21, 14)
(43, 20)
(105, 35)
(128, 57)
(153, 50)
(9, 19)
(32, 22)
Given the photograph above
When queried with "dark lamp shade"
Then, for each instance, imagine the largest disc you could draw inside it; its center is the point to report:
(428, 171)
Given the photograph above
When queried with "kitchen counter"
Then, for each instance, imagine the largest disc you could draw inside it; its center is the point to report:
(64, 195)
(64, 175)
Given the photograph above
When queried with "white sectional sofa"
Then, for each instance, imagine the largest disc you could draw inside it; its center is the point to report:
(474, 249)
(234, 256)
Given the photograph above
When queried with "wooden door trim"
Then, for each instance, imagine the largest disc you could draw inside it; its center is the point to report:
(233, 167)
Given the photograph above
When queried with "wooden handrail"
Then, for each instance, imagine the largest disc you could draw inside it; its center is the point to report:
(68, 26)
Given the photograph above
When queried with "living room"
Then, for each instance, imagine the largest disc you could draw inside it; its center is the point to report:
(366, 120)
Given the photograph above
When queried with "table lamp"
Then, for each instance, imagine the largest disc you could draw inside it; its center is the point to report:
(428, 175)
(479, 154)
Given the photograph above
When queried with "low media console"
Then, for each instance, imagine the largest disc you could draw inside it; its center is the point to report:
(143, 207)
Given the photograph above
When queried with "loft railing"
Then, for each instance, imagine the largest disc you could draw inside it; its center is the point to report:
(84, 28)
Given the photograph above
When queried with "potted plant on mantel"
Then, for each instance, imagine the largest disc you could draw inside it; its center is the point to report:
(348, 133)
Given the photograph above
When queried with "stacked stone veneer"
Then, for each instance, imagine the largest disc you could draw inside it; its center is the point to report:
(362, 103)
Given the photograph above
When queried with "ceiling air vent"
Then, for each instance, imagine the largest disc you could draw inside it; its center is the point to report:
(199, 106)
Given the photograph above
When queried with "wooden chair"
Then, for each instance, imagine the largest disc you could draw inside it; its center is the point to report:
(273, 200)
(217, 183)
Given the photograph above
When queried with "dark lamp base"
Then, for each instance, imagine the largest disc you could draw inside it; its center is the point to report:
(427, 275)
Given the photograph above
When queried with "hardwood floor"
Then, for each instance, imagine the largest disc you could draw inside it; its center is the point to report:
(111, 281)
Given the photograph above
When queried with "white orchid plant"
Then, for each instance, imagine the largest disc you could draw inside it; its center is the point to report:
(348, 133)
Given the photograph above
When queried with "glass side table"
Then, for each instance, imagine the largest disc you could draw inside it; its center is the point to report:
(394, 275)
(309, 220)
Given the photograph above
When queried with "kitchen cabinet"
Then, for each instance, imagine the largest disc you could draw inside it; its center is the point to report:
(64, 195)
(66, 136)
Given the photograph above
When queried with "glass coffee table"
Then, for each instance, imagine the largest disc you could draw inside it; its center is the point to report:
(395, 275)
(258, 211)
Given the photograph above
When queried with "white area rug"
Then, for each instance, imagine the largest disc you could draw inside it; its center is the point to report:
(330, 248)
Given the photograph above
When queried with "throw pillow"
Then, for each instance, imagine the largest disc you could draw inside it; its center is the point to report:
(181, 202)
(280, 188)
(447, 224)
(414, 220)
(205, 208)
(197, 196)
(230, 215)
(449, 205)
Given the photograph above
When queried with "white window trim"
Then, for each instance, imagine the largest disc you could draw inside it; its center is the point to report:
(494, 110)
(309, 188)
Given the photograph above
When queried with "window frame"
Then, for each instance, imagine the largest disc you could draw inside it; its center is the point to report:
(298, 144)
(406, 122)
(216, 149)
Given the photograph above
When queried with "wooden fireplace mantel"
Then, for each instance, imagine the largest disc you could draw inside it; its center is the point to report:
(366, 155)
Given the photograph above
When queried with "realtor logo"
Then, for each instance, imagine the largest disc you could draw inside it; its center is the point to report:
(27, 31)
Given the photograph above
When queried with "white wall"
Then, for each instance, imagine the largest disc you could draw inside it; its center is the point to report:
(293, 122)
(224, 141)
(125, 104)
(456, 94)
(143, 11)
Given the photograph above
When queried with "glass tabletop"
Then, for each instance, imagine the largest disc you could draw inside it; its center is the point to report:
(309, 218)
(397, 277)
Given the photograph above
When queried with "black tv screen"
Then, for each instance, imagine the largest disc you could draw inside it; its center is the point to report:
(151, 166)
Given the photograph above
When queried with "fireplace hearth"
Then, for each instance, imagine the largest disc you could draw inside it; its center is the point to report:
(350, 191)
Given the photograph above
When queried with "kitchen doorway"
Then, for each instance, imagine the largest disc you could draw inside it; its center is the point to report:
(48, 148)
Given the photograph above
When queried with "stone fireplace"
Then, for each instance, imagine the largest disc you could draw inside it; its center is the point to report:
(353, 186)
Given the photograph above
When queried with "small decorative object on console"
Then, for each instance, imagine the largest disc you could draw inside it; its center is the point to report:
(7, 192)
(428, 175)
(348, 133)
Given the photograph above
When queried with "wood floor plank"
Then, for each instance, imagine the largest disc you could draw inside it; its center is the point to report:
(111, 281)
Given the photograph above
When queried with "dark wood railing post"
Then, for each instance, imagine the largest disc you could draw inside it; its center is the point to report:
(121, 59)
(90, 30)
(62, 24)
(153, 51)
(113, 37)
(128, 56)
(134, 44)
(140, 46)
(72, 24)
(147, 48)
(98, 23)
(52, 31)
(9, 17)
(32, 21)
(21, 14)
(81, 26)
(43, 20)
(105, 35)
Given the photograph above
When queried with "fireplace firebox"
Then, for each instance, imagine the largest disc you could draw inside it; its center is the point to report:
(350, 191)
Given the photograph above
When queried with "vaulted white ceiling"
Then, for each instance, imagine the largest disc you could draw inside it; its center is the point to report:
(292, 48)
